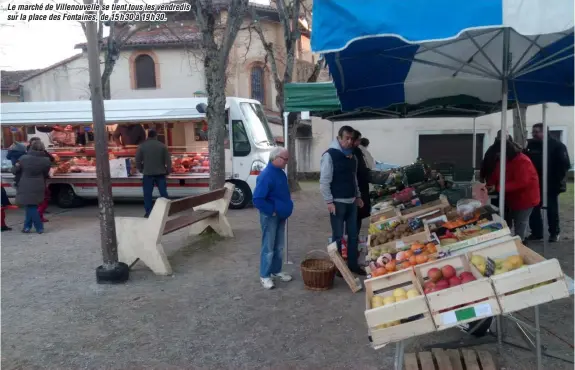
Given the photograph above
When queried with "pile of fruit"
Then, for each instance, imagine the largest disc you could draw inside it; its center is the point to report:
(467, 232)
(383, 263)
(398, 295)
(446, 277)
(502, 265)
(391, 232)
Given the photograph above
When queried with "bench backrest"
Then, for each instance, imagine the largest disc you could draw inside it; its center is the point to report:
(187, 203)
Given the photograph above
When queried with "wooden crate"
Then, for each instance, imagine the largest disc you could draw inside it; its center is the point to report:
(480, 238)
(389, 212)
(537, 270)
(422, 237)
(441, 203)
(353, 282)
(474, 300)
(384, 286)
(451, 359)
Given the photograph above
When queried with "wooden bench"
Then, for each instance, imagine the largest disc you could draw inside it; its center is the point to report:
(139, 238)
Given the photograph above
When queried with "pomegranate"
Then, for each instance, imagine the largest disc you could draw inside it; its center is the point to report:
(454, 281)
(441, 284)
(434, 274)
(448, 271)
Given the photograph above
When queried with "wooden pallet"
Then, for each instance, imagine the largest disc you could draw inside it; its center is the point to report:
(451, 359)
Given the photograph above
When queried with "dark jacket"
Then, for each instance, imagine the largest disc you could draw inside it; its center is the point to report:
(521, 183)
(363, 177)
(5, 200)
(15, 152)
(272, 194)
(558, 163)
(153, 158)
(343, 183)
(34, 169)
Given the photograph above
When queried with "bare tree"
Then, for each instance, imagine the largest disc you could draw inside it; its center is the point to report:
(219, 26)
(290, 13)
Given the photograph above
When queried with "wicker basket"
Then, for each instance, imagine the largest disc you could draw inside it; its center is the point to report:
(317, 273)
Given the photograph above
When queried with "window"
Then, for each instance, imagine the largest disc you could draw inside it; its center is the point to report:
(257, 84)
(240, 139)
(145, 72)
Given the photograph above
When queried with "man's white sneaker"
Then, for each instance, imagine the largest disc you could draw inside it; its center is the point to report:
(267, 283)
(282, 276)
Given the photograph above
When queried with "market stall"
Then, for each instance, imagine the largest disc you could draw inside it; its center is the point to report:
(426, 57)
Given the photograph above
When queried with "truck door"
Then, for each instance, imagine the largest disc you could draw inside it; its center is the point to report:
(228, 145)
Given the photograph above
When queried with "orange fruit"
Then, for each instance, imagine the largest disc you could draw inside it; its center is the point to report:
(407, 254)
(404, 265)
(431, 248)
(413, 260)
(390, 266)
(380, 271)
(422, 258)
(416, 246)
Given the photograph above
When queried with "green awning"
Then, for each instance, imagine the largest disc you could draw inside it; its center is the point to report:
(321, 100)
(311, 97)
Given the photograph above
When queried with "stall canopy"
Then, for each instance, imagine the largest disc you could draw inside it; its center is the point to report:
(382, 53)
(117, 111)
(321, 100)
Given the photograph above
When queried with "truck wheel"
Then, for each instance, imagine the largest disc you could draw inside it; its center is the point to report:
(66, 197)
(242, 195)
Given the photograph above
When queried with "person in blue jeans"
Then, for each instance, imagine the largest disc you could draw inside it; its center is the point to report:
(339, 188)
(153, 160)
(272, 198)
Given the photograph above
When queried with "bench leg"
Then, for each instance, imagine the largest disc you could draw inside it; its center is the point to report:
(135, 243)
(219, 224)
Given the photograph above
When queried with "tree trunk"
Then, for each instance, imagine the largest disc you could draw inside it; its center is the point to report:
(108, 68)
(216, 115)
(291, 147)
(519, 125)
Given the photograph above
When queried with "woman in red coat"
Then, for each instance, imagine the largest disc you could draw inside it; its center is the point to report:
(521, 187)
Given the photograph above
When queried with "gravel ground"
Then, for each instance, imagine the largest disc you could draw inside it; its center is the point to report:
(212, 313)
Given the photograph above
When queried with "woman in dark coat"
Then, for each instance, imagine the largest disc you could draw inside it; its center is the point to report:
(34, 169)
(362, 180)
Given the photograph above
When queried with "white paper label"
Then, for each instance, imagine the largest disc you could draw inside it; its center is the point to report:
(483, 309)
(399, 244)
(448, 318)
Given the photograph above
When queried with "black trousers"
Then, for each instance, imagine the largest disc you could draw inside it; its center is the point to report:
(536, 220)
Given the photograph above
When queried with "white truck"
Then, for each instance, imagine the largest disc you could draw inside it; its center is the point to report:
(179, 124)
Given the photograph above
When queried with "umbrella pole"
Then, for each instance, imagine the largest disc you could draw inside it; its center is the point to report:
(474, 154)
(503, 155)
(545, 184)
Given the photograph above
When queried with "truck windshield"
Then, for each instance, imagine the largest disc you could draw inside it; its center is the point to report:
(258, 124)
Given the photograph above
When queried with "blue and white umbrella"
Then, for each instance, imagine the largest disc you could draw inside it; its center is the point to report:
(386, 52)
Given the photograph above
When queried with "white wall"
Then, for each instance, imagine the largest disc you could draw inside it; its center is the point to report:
(68, 81)
(396, 140)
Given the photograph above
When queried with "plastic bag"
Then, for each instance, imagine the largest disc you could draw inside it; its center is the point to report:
(480, 193)
(466, 208)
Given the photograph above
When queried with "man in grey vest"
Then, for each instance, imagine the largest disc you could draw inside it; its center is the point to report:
(340, 191)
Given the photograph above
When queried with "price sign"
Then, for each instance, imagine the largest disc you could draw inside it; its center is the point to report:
(489, 267)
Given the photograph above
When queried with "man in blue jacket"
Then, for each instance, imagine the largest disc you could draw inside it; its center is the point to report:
(273, 200)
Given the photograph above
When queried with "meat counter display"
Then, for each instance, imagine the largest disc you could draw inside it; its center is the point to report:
(124, 162)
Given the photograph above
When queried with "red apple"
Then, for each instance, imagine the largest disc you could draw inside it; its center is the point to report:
(442, 284)
(434, 274)
(454, 281)
(467, 278)
(448, 271)
(429, 284)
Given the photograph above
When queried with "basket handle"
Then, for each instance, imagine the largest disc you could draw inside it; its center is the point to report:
(317, 251)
